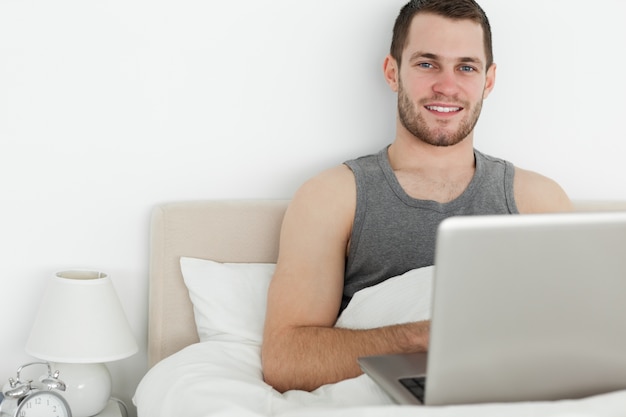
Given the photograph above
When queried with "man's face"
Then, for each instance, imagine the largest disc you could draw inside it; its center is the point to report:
(443, 80)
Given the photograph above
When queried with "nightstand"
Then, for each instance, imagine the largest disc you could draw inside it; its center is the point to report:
(113, 409)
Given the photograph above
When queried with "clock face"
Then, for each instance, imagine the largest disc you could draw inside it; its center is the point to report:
(43, 404)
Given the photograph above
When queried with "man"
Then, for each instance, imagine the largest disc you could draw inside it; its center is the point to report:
(376, 217)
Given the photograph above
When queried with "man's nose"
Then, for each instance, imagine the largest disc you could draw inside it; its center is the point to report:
(446, 83)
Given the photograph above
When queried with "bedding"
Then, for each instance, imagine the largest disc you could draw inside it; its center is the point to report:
(221, 374)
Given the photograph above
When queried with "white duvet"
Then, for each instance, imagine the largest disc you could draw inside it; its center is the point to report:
(222, 375)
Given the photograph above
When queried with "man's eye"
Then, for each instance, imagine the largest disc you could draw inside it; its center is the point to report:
(467, 68)
(425, 65)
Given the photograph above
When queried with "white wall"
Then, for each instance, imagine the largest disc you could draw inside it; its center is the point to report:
(110, 107)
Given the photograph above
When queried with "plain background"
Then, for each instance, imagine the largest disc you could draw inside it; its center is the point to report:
(108, 108)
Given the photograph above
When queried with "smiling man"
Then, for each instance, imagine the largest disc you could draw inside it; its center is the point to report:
(376, 217)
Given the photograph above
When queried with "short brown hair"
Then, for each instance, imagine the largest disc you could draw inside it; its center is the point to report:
(452, 9)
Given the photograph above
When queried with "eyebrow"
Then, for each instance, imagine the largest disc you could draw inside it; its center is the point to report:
(466, 59)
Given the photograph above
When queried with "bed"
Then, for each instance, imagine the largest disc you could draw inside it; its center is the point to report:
(210, 266)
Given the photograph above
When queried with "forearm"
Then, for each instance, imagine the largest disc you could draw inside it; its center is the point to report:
(308, 357)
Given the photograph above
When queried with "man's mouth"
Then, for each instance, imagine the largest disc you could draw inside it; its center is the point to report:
(444, 109)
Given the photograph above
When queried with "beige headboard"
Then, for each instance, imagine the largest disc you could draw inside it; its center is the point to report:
(224, 231)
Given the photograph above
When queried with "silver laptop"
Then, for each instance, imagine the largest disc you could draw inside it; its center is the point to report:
(528, 307)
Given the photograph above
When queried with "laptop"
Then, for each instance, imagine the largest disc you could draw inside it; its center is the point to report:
(524, 308)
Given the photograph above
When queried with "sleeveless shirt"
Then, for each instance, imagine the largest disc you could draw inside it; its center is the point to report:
(394, 233)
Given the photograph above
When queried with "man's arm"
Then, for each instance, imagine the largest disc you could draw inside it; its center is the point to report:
(301, 348)
(535, 193)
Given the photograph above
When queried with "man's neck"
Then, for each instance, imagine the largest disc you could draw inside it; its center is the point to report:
(410, 154)
(430, 172)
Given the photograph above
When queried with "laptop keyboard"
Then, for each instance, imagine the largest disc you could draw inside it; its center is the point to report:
(416, 386)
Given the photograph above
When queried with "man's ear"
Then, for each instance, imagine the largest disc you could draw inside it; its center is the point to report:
(392, 72)
(490, 80)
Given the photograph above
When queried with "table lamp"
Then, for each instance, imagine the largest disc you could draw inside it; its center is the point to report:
(79, 326)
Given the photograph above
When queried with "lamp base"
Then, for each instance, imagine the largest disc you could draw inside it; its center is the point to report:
(88, 387)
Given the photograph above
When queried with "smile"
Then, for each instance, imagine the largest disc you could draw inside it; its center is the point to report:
(442, 109)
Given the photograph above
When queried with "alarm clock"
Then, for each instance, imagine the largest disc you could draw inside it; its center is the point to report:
(25, 399)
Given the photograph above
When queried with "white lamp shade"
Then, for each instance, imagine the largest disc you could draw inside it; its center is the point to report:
(81, 320)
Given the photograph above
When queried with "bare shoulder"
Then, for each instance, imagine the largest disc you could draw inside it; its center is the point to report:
(308, 281)
(535, 193)
(331, 191)
(318, 221)
(338, 178)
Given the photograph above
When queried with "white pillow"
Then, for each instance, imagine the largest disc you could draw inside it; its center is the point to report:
(401, 299)
(229, 299)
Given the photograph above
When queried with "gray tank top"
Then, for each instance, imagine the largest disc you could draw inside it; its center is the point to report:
(394, 233)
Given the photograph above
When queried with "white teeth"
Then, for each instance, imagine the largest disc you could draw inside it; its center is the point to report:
(443, 109)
